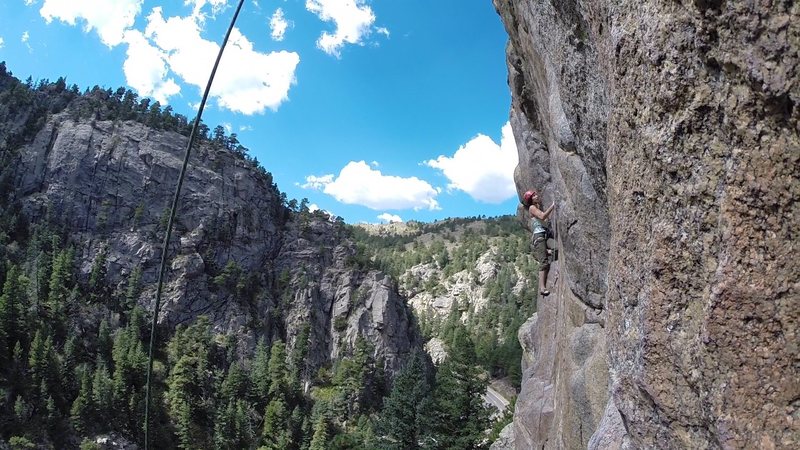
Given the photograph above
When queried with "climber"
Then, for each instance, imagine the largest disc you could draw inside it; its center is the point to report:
(539, 235)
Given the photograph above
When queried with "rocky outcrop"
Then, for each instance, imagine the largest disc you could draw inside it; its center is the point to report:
(237, 255)
(339, 304)
(464, 288)
(505, 441)
(459, 287)
(667, 135)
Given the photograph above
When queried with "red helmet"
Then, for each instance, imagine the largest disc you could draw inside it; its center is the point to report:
(526, 197)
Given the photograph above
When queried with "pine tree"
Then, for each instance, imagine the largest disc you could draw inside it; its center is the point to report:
(58, 286)
(233, 428)
(278, 372)
(130, 366)
(104, 342)
(22, 410)
(351, 379)
(103, 396)
(136, 322)
(53, 416)
(276, 433)
(12, 322)
(402, 418)
(223, 427)
(245, 431)
(181, 412)
(191, 385)
(261, 380)
(300, 352)
(5, 331)
(59, 292)
(321, 435)
(39, 365)
(7, 326)
(69, 361)
(133, 288)
(300, 425)
(236, 385)
(98, 290)
(459, 414)
(80, 413)
(42, 267)
(17, 366)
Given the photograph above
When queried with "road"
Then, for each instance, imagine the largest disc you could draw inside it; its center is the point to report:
(495, 400)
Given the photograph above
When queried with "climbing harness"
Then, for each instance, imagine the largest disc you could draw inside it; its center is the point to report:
(174, 207)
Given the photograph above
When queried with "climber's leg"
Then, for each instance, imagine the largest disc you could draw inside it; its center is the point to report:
(543, 281)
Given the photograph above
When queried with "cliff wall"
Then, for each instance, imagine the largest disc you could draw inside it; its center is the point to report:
(238, 255)
(667, 135)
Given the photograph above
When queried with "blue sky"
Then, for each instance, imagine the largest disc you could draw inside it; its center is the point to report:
(374, 110)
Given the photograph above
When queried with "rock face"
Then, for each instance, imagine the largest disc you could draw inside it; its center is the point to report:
(667, 135)
(461, 286)
(237, 254)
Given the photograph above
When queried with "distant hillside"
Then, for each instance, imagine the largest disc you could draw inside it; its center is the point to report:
(472, 271)
(278, 328)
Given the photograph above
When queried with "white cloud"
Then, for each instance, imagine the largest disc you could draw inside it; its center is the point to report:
(216, 6)
(172, 49)
(188, 54)
(278, 25)
(262, 82)
(383, 30)
(359, 184)
(109, 18)
(317, 183)
(145, 69)
(314, 207)
(353, 20)
(1, 42)
(29, 2)
(246, 128)
(482, 168)
(25, 39)
(389, 218)
(250, 82)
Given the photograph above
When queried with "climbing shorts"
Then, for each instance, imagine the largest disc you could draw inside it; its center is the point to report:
(539, 248)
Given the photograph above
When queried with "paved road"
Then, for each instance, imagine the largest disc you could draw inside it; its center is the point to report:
(495, 399)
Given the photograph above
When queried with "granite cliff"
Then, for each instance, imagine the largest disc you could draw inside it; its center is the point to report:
(667, 135)
(239, 255)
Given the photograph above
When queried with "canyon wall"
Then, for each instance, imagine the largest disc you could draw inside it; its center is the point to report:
(666, 132)
(257, 268)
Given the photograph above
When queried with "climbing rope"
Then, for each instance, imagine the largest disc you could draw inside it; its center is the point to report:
(169, 229)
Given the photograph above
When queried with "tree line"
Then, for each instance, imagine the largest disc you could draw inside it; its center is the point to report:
(33, 101)
(72, 346)
(73, 362)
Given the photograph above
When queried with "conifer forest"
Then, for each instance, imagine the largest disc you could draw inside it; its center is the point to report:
(74, 344)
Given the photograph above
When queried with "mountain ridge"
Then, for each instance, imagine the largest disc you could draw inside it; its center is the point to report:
(271, 312)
